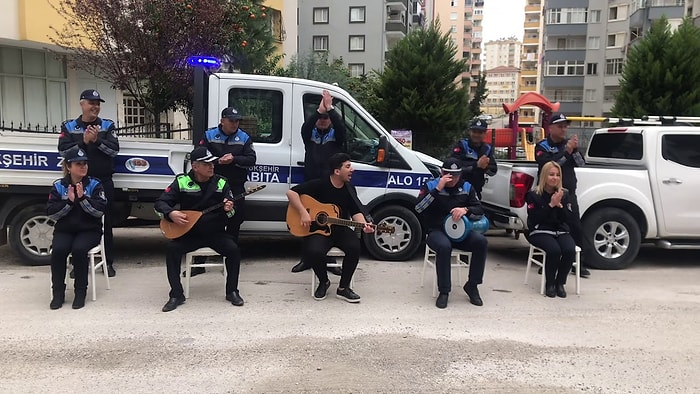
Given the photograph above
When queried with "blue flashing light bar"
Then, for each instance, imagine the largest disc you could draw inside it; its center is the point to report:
(203, 61)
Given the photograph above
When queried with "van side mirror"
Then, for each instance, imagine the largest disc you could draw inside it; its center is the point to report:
(383, 151)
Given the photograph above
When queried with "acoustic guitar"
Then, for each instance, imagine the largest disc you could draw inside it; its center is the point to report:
(172, 230)
(323, 216)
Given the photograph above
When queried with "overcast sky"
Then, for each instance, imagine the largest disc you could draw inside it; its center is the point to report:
(503, 18)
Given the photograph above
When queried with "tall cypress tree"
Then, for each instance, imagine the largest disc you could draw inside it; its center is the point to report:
(419, 90)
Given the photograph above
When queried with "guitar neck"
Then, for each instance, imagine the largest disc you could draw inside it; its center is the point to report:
(236, 197)
(346, 222)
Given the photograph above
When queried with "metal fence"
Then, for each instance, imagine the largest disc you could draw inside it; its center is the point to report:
(148, 130)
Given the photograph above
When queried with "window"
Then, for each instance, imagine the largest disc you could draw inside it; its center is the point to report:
(593, 42)
(617, 146)
(564, 68)
(357, 44)
(362, 139)
(320, 43)
(33, 88)
(453, 3)
(356, 69)
(263, 113)
(594, 16)
(613, 66)
(453, 29)
(566, 15)
(681, 149)
(612, 15)
(615, 40)
(357, 14)
(610, 92)
(320, 15)
(617, 13)
(592, 69)
(134, 114)
(590, 95)
(453, 16)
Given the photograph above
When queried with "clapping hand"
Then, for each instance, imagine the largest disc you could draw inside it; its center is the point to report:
(555, 202)
(483, 162)
(572, 145)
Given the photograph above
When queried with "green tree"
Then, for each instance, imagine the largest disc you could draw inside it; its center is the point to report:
(480, 94)
(661, 75)
(141, 46)
(317, 66)
(419, 90)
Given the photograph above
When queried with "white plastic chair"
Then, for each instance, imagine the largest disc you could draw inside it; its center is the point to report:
(338, 254)
(538, 256)
(189, 264)
(456, 262)
(96, 259)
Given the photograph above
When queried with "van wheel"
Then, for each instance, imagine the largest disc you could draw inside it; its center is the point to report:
(31, 234)
(403, 243)
(615, 237)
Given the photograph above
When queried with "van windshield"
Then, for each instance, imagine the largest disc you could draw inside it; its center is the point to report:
(362, 139)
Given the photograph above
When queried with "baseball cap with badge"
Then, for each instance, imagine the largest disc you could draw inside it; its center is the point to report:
(478, 125)
(91, 94)
(201, 153)
(558, 118)
(231, 113)
(74, 154)
(452, 165)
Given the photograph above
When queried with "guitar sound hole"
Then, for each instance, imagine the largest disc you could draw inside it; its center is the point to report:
(322, 218)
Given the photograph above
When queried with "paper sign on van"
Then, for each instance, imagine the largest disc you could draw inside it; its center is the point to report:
(137, 164)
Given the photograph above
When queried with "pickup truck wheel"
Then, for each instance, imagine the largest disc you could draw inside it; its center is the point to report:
(31, 234)
(615, 237)
(403, 243)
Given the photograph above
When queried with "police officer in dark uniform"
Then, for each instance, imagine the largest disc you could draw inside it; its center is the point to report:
(197, 190)
(451, 195)
(98, 139)
(76, 203)
(324, 135)
(564, 151)
(234, 147)
(476, 156)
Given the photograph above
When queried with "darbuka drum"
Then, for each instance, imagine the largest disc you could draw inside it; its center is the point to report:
(459, 230)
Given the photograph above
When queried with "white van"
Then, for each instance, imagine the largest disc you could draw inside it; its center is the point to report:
(388, 176)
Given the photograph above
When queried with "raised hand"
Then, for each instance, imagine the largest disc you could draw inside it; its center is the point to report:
(79, 192)
(71, 193)
(483, 162)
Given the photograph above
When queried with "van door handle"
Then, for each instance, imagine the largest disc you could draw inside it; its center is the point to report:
(300, 163)
(672, 180)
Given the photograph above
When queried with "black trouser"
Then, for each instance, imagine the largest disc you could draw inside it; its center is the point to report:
(108, 185)
(561, 253)
(577, 228)
(316, 246)
(222, 243)
(78, 244)
(233, 225)
(475, 243)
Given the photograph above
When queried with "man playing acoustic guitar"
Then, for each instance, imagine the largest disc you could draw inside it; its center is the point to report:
(335, 189)
(198, 190)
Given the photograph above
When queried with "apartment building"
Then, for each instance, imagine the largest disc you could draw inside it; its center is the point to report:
(586, 45)
(361, 32)
(531, 55)
(502, 85)
(462, 19)
(502, 52)
(38, 89)
(693, 11)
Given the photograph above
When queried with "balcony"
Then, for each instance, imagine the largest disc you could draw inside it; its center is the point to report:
(532, 9)
(395, 6)
(528, 73)
(531, 25)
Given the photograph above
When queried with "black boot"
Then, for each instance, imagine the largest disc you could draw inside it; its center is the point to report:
(79, 300)
(59, 297)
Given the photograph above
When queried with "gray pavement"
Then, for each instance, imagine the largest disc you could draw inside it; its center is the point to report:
(629, 331)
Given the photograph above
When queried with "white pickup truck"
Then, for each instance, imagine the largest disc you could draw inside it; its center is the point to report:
(640, 184)
(388, 176)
